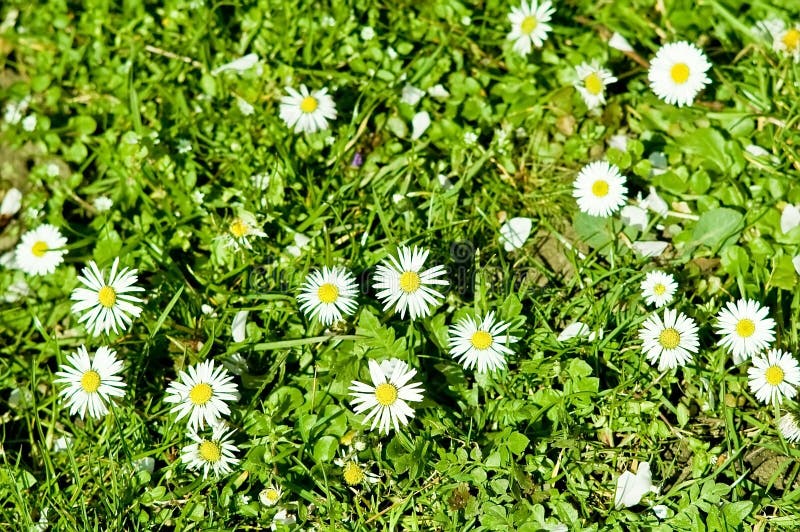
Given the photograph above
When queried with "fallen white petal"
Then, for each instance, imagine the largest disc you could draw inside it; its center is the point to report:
(655, 203)
(515, 232)
(573, 330)
(652, 248)
(634, 216)
(620, 43)
(631, 488)
(790, 218)
(238, 326)
(419, 124)
(12, 201)
(237, 65)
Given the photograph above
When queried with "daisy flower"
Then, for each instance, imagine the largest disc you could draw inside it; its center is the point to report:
(789, 427)
(306, 111)
(658, 288)
(328, 295)
(745, 328)
(40, 250)
(109, 303)
(240, 230)
(202, 394)
(91, 382)
(354, 472)
(529, 25)
(784, 39)
(388, 396)
(270, 495)
(600, 189)
(774, 376)
(481, 343)
(678, 72)
(671, 342)
(216, 453)
(591, 83)
(401, 282)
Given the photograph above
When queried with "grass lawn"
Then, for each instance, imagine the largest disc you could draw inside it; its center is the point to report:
(447, 265)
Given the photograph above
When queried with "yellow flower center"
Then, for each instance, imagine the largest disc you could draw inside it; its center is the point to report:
(774, 375)
(386, 394)
(107, 296)
(791, 39)
(659, 289)
(90, 381)
(201, 393)
(593, 83)
(669, 338)
(210, 451)
(409, 282)
(39, 249)
(328, 293)
(745, 328)
(238, 228)
(481, 340)
(309, 104)
(529, 24)
(353, 474)
(600, 188)
(679, 73)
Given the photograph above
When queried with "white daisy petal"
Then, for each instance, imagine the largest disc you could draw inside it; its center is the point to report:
(774, 376)
(678, 73)
(307, 112)
(40, 250)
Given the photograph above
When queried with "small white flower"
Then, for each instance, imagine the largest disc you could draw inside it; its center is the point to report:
(470, 138)
(515, 232)
(529, 25)
(756, 151)
(618, 42)
(789, 426)
(270, 495)
(670, 342)
(660, 511)
(29, 123)
(237, 65)
(411, 95)
(300, 243)
(600, 189)
(367, 33)
(109, 304)
(419, 124)
(631, 488)
(184, 146)
(658, 288)
(238, 326)
(52, 170)
(102, 203)
(328, 21)
(15, 110)
(678, 73)
(328, 295)
(774, 376)
(235, 363)
(198, 197)
(17, 290)
(591, 83)
(215, 454)
(785, 40)
(202, 394)
(145, 463)
(438, 91)
(482, 344)
(388, 396)
(403, 284)
(240, 230)
(790, 218)
(40, 250)
(91, 382)
(745, 328)
(306, 111)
